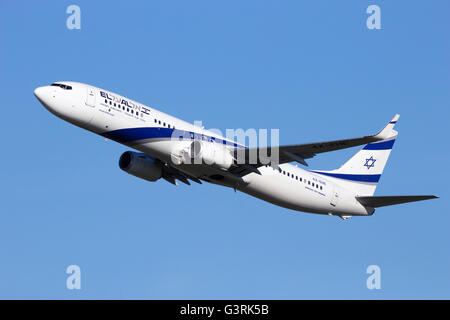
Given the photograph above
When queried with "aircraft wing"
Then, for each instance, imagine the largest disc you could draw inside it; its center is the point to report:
(171, 174)
(300, 152)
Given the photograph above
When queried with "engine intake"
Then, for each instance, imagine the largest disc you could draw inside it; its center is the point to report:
(140, 165)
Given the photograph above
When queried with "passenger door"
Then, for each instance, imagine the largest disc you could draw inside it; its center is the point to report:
(90, 97)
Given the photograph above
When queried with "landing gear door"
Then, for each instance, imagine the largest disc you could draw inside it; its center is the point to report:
(90, 97)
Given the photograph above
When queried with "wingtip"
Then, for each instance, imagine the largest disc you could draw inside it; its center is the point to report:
(430, 197)
(395, 119)
(388, 131)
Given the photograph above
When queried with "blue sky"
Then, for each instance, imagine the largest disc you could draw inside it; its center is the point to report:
(310, 68)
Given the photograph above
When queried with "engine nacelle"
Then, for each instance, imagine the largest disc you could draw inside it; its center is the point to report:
(211, 153)
(140, 165)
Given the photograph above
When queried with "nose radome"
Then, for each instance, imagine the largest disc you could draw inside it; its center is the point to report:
(44, 95)
(39, 93)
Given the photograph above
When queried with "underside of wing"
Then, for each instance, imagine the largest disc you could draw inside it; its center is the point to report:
(171, 174)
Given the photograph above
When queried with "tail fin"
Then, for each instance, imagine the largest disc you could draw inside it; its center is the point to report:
(363, 171)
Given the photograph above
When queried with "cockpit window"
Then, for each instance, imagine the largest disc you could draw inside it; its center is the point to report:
(65, 87)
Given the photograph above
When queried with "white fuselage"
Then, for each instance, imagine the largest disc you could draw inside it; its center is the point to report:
(146, 129)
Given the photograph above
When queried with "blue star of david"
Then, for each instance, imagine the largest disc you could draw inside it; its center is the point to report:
(370, 163)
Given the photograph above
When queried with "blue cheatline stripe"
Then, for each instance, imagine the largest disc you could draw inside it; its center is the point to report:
(353, 177)
(141, 133)
(384, 145)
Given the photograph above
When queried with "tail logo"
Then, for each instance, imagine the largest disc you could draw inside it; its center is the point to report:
(370, 163)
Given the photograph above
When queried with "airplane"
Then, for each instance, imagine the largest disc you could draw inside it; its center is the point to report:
(174, 150)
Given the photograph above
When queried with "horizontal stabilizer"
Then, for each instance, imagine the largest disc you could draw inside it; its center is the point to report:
(382, 201)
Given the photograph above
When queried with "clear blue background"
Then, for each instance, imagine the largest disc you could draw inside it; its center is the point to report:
(310, 68)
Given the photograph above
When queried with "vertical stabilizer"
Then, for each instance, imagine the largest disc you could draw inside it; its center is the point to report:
(363, 171)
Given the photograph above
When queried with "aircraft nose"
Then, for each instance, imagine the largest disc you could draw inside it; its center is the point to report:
(44, 94)
(39, 93)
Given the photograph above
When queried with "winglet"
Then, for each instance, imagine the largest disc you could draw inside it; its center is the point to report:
(388, 131)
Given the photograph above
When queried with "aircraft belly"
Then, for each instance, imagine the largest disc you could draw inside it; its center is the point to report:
(284, 192)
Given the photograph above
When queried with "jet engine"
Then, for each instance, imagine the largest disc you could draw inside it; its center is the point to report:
(211, 153)
(140, 165)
